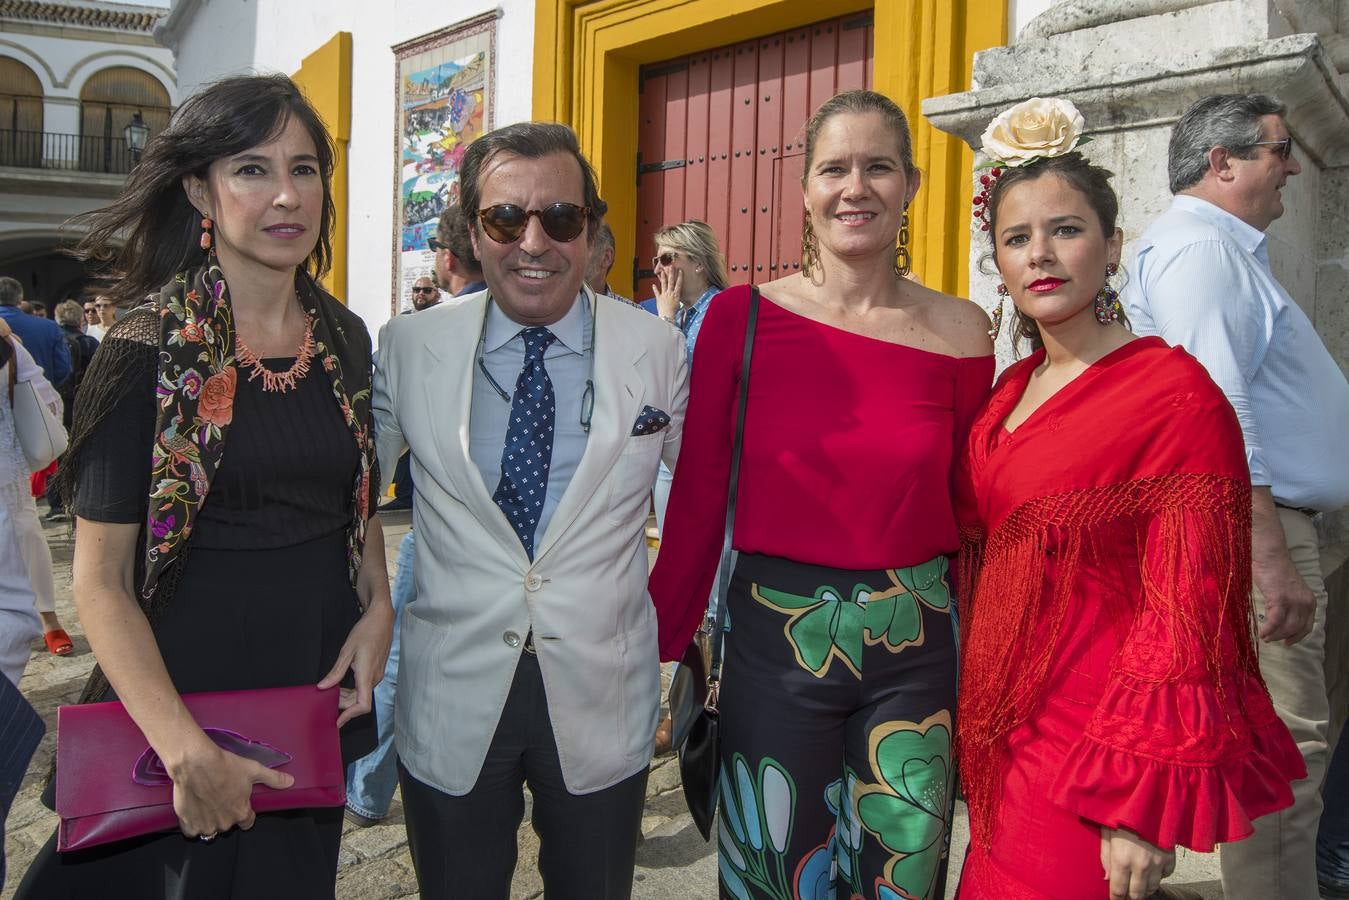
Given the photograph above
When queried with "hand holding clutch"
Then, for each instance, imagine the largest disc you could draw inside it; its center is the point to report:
(109, 789)
(212, 789)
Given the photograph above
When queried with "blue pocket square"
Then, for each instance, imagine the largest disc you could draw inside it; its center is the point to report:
(650, 421)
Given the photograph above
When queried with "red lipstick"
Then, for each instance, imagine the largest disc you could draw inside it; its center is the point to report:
(1043, 285)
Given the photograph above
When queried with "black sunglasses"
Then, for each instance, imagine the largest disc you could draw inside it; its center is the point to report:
(435, 244)
(664, 259)
(506, 222)
(1283, 148)
(425, 290)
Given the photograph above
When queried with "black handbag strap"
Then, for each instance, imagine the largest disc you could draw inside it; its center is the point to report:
(724, 570)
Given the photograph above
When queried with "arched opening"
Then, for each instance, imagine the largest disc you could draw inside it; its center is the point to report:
(111, 100)
(20, 115)
(40, 261)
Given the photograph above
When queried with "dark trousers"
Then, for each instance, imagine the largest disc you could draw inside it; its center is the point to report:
(466, 846)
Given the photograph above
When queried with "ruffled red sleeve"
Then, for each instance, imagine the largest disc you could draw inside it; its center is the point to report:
(1184, 746)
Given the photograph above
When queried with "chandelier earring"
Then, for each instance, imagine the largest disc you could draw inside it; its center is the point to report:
(996, 317)
(810, 251)
(1108, 309)
(903, 260)
(206, 225)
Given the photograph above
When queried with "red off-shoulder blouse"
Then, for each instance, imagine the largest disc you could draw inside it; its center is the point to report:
(847, 458)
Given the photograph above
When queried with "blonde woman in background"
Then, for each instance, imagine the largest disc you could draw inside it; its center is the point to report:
(690, 270)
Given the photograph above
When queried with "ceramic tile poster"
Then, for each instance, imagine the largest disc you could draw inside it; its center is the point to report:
(444, 91)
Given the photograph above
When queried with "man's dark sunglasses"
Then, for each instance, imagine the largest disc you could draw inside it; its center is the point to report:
(435, 244)
(425, 290)
(506, 222)
(1283, 148)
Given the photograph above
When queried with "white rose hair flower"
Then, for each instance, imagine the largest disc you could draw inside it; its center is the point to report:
(1038, 128)
(1033, 129)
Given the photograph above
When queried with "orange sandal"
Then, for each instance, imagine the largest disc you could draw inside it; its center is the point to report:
(58, 641)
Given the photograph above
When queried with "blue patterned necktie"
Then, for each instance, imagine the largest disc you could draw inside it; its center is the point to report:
(529, 441)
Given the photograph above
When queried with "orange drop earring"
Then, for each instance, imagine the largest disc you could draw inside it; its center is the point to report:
(206, 233)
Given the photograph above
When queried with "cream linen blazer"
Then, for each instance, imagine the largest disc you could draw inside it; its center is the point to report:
(478, 595)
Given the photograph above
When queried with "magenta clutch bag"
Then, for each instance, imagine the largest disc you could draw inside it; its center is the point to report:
(110, 785)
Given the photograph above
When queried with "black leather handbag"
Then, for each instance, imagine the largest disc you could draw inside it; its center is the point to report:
(694, 691)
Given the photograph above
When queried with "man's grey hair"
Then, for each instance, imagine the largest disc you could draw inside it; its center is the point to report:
(604, 240)
(1222, 120)
(11, 292)
(69, 313)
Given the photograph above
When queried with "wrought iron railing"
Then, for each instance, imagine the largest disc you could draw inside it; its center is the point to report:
(70, 152)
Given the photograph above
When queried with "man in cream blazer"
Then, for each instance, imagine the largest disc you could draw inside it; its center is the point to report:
(529, 655)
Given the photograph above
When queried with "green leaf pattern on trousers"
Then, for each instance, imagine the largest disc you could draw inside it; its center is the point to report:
(833, 624)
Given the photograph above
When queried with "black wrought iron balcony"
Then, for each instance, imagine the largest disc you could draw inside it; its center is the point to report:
(70, 152)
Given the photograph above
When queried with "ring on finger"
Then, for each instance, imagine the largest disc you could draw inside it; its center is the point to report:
(207, 838)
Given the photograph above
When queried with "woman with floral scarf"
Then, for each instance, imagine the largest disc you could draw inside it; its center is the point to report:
(221, 475)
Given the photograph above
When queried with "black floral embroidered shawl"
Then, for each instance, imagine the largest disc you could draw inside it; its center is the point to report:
(189, 329)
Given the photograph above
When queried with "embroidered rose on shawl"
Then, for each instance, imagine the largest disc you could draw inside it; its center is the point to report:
(191, 332)
(190, 382)
(1037, 128)
(216, 405)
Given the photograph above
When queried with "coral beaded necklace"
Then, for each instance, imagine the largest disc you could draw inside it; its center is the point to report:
(277, 382)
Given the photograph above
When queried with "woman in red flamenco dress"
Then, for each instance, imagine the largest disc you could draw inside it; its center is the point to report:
(1111, 707)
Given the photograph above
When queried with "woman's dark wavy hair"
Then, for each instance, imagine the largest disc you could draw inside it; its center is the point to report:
(1092, 181)
(151, 232)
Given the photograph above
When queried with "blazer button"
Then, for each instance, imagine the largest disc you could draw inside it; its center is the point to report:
(533, 582)
(511, 638)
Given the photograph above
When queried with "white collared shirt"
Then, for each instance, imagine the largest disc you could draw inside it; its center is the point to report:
(568, 363)
(1201, 280)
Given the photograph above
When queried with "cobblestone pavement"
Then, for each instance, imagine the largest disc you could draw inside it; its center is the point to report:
(673, 861)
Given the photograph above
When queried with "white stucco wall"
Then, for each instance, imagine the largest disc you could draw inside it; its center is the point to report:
(1020, 12)
(226, 36)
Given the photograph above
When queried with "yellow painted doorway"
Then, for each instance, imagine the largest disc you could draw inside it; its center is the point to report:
(589, 54)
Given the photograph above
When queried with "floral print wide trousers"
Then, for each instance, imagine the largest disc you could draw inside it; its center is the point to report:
(837, 699)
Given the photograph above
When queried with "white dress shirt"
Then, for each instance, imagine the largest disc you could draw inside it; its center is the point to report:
(1201, 280)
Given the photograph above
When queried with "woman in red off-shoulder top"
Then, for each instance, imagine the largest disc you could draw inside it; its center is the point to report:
(839, 683)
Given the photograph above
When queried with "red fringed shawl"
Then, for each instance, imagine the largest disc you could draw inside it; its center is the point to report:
(1122, 503)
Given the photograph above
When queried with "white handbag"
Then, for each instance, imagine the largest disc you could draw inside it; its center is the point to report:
(41, 435)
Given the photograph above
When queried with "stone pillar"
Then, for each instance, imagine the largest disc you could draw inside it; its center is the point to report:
(1132, 67)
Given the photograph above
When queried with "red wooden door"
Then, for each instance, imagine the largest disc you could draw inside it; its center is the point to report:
(723, 140)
